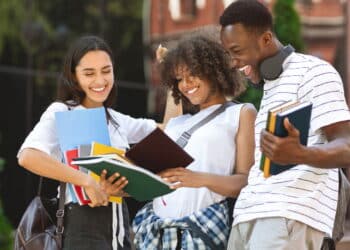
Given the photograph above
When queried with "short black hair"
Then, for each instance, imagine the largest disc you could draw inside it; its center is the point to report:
(250, 13)
(204, 58)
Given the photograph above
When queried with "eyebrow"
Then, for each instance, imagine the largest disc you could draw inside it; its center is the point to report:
(233, 46)
(91, 69)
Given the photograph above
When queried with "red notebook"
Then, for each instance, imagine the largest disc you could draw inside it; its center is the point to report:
(78, 191)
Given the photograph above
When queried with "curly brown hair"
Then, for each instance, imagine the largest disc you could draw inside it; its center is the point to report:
(206, 59)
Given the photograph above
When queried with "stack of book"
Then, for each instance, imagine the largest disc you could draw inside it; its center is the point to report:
(80, 127)
(83, 136)
(299, 114)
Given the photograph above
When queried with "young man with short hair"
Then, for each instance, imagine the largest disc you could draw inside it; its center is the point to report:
(296, 208)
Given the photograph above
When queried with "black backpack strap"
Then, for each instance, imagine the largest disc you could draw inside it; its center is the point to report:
(60, 211)
(329, 242)
(185, 136)
(342, 205)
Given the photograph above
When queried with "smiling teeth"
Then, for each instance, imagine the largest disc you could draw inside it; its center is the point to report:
(98, 89)
(243, 68)
(192, 91)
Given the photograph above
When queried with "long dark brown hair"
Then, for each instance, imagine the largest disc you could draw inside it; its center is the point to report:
(69, 90)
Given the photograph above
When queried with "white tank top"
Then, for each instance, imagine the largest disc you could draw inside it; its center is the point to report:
(213, 148)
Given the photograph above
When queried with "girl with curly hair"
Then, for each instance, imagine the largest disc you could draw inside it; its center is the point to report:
(196, 214)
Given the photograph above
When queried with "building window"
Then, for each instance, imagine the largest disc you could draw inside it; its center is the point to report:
(182, 10)
(188, 8)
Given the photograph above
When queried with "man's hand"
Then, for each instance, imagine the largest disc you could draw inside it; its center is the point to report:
(286, 150)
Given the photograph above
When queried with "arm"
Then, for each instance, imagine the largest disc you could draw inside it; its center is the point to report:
(330, 114)
(42, 164)
(335, 153)
(225, 185)
(171, 110)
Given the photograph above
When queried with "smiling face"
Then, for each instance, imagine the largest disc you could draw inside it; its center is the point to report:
(94, 73)
(198, 91)
(247, 48)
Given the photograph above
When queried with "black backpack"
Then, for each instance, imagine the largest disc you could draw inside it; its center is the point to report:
(329, 242)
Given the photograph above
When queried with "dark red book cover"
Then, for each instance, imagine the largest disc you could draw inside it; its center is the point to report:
(157, 152)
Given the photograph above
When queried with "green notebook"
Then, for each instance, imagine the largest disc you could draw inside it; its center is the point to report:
(143, 185)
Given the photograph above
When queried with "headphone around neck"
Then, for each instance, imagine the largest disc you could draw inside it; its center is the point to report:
(271, 67)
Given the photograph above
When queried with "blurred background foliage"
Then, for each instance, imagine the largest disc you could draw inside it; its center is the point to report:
(288, 24)
(5, 227)
(44, 29)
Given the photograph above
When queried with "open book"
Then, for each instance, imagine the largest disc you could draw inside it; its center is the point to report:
(299, 114)
(139, 165)
(142, 184)
(157, 152)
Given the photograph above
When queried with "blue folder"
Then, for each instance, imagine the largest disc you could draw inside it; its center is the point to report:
(80, 127)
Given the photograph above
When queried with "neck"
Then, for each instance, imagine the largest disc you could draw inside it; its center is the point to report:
(276, 46)
(220, 100)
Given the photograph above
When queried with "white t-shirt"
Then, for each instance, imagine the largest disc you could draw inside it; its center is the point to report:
(213, 148)
(303, 193)
(44, 137)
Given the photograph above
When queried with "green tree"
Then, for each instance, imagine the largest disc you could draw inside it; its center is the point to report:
(287, 24)
(252, 95)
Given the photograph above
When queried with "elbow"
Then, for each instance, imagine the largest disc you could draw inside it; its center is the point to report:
(343, 157)
(348, 152)
(23, 158)
(241, 183)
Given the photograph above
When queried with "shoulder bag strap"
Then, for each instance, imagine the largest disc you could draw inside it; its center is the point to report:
(185, 136)
(60, 212)
(40, 185)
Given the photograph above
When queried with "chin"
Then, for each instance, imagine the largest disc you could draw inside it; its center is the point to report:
(194, 103)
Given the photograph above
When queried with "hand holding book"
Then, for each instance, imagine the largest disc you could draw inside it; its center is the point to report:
(290, 121)
(139, 165)
(114, 184)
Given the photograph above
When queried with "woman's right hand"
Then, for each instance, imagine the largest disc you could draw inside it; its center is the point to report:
(96, 194)
(114, 184)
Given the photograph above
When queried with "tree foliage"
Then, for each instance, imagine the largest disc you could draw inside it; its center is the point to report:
(287, 24)
(5, 227)
(251, 95)
(44, 29)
